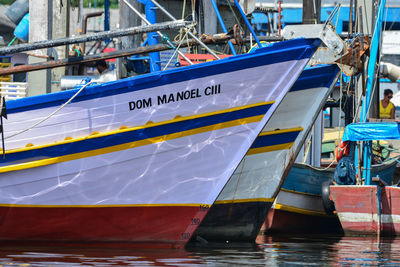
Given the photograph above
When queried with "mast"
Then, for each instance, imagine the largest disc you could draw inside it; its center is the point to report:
(372, 67)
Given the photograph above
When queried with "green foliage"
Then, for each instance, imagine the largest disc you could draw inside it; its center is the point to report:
(6, 2)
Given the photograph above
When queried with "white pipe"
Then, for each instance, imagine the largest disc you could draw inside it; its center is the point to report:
(390, 71)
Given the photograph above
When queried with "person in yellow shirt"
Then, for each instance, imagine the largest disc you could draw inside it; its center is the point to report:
(386, 108)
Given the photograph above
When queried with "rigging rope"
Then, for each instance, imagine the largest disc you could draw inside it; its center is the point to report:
(176, 49)
(338, 14)
(234, 15)
(182, 17)
(51, 114)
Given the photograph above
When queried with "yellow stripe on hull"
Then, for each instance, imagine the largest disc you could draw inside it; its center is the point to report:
(96, 152)
(123, 130)
(244, 200)
(299, 193)
(300, 211)
(265, 149)
(297, 129)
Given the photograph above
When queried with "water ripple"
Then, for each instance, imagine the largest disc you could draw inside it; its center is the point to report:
(268, 251)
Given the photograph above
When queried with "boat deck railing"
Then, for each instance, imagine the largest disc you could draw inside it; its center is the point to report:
(13, 90)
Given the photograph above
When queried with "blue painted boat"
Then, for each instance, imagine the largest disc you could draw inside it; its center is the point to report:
(299, 207)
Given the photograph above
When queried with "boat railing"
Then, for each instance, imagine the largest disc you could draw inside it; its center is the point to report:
(13, 90)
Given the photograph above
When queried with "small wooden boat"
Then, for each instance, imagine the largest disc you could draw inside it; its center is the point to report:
(299, 206)
(370, 208)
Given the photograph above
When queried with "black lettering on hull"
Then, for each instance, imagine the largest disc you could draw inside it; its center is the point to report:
(140, 103)
(213, 90)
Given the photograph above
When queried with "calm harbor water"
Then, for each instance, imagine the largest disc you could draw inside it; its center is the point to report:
(269, 251)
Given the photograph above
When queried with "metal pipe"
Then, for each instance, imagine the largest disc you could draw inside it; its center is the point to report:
(87, 16)
(333, 13)
(189, 32)
(151, 15)
(106, 15)
(350, 30)
(222, 25)
(247, 22)
(218, 38)
(279, 18)
(374, 58)
(84, 24)
(158, 32)
(91, 37)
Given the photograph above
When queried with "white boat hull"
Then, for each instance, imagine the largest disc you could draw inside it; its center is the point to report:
(159, 148)
(242, 206)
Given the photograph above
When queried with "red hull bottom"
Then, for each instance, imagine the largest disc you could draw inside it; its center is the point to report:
(279, 221)
(166, 226)
(357, 207)
(371, 228)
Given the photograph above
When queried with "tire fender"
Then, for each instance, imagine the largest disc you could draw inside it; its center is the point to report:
(329, 205)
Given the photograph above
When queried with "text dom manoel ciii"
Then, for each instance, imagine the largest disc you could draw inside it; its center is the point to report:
(174, 97)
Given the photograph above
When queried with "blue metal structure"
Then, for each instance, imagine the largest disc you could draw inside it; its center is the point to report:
(370, 84)
(106, 18)
(106, 15)
(340, 19)
(222, 25)
(247, 22)
(152, 37)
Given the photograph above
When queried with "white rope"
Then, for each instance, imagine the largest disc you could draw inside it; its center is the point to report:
(183, 16)
(49, 116)
(321, 169)
(337, 18)
(176, 49)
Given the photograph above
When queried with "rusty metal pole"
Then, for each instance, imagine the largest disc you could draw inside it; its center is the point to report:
(92, 37)
(84, 24)
(218, 38)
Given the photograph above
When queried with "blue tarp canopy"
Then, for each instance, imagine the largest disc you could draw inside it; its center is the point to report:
(371, 131)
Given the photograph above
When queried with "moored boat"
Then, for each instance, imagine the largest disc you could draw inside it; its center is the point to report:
(369, 208)
(240, 210)
(139, 159)
(299, 208)
(367, 204)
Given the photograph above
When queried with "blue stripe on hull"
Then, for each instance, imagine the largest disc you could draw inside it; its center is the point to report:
(296, 49)
(136, 135)
(275, 139)
(318, 76)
